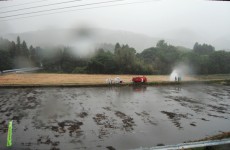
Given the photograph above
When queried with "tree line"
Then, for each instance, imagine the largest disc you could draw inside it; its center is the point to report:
(161, 59)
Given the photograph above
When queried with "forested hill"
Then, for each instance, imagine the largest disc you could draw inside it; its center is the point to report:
(161, 59)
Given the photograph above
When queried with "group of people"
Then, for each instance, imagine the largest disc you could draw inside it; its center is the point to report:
(177, 79)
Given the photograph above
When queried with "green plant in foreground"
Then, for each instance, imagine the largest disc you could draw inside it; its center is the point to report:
(9, 135)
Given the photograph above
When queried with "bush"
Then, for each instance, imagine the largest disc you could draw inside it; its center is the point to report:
(81, 70)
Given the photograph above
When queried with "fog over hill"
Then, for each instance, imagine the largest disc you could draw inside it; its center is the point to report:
(64, 37)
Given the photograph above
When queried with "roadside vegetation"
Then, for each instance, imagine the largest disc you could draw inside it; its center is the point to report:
(223, 135)
(203, 59)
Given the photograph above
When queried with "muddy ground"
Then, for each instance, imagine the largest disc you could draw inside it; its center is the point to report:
(112, 118)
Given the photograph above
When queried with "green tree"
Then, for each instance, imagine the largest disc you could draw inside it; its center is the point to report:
(18, 46)
(204, 49)
(24, 50)
(161, 44)
(34, 56)
(12, 49)
(68, 63)
(125, 59)
(219, 62)
(5, 60)
(102, 62)
(161, 58)
(117, 47)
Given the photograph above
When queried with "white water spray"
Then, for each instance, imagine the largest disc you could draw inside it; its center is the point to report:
(180, 70)
(174, 75)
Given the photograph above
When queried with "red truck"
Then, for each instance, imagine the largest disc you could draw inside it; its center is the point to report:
(139, 79)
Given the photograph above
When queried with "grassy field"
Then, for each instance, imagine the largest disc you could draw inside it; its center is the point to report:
(85, 79)
(52, 79)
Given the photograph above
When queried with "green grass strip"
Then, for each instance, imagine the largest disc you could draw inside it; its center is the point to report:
(9, 135)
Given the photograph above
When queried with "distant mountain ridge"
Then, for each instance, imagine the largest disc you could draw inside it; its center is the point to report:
(56, 37)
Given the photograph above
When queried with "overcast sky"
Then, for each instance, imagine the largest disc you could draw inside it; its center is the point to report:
(204, 20)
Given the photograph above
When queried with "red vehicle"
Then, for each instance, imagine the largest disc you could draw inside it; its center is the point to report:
(139, 79)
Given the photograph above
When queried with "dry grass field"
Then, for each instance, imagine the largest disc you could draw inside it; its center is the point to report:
(81, 79)
(66, 79)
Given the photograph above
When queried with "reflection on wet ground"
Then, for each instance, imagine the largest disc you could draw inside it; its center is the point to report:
(112, 118)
